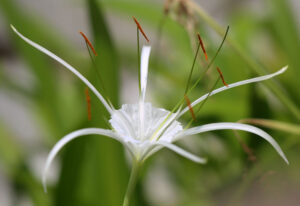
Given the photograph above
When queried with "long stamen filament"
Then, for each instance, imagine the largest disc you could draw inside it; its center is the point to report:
(97, 72)
(206, 70)
(211, 62)
(202, 104)
(192, 69)
(214, 86)
(181, 101)
(90, 47)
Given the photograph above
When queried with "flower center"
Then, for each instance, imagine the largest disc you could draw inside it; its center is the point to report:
(132, 126)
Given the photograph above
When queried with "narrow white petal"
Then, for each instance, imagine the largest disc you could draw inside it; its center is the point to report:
(68, 66)
(66, 139)
(234, 126)
(182, 152)
(236, 84)
(143, 78)
(144, 70)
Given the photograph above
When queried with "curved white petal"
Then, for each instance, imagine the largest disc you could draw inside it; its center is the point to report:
(66, 139)
(182, 152)
(234, 126)
(236, 84)
(144, 70)
(143, 85)
(68, 66)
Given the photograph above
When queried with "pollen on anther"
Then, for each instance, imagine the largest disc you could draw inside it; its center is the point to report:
(140, 29)
(222, 77)
(188, 102)
(88, 101)
(202, 47)
(88, 43)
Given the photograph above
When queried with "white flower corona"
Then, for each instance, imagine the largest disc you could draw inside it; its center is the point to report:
(144, 129)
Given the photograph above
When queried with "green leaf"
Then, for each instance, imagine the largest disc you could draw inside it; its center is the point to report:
(287, 36)
(94, 170)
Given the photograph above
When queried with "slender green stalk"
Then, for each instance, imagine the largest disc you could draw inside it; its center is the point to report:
(194, 85)
(290, 105)
(97, 72)
(192, 69)
(132, 182)
(212, 61)
(202, 104)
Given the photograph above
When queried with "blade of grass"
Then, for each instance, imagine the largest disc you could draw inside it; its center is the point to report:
(272, 124)
(111, 179)
(286, 33)
(98, 172)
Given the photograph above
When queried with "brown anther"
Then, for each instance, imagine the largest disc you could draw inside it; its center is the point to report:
(188, 102)
(88, 101)
(140, 28)
(89, 43)
(202, 46)
(221, 75)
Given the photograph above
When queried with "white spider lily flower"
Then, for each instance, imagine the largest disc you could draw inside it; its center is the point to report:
(144, 129)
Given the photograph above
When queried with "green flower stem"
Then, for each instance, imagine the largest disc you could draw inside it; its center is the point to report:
(251, 63)
(132, 182)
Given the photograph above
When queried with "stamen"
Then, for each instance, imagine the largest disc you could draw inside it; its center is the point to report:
(89, 43)
(202, 46)
(222, 77)
(91, 49)
(188, 102)
(192, 69)
(88, 100)
(206, 70)
(211, 61)
(199, 79)
(202, 104)
(140, 28)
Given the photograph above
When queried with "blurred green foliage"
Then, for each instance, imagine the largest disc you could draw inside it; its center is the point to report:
(94, 170)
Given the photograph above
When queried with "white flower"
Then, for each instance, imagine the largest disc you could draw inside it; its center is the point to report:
(144, 129)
